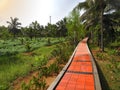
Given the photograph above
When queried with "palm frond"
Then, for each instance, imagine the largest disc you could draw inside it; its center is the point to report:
(82, 5)
(115, 4)
(9, 22)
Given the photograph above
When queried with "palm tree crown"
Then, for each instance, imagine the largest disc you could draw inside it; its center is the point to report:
(14, 25)
(94, 13)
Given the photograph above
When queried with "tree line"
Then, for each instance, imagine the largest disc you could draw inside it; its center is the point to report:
(34, 29)
(100, 21)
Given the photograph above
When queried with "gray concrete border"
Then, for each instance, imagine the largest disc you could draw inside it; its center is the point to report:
(95, 72)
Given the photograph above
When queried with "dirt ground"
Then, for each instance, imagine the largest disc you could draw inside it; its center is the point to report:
(16, 85)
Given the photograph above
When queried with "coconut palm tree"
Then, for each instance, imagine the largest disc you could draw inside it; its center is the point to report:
(94, 11)
(62, 30)
(35, 27)
(14, 26)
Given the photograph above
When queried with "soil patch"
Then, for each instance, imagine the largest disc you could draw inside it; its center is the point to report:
(16, 85)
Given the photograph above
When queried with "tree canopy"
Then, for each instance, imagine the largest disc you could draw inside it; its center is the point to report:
(104, 13)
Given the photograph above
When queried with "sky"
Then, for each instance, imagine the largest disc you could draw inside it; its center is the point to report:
(30, 10)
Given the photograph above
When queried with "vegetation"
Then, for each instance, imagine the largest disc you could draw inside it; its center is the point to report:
(26, 49)
(14, 27)
(109, 67)
(17, 60)
(103, 16)
(39, 82)
(75, 28)
(101, 20)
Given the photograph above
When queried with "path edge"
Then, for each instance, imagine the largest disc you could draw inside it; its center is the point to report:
(95, 71)
(61, 74)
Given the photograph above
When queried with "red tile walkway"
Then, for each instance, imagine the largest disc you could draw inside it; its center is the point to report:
(79, 75)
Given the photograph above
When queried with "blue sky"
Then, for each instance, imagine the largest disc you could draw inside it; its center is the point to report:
(31, 10)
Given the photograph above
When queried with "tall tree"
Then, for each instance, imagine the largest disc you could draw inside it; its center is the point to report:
(62, 29)
(95, 11)
(35, 26)
(48, 30)
(14, 26)
(75, 28)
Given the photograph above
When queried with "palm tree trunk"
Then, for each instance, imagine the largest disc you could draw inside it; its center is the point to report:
(102, 41)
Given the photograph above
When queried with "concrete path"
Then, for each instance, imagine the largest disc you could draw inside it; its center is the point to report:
(80, 72)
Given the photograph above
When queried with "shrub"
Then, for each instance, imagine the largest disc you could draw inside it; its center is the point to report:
(27, 46)
(43, 85)
(48, 42)
(21, 41)
(54, 68)
(60, 52)
(40, 61)
(45, 71)
(34, 84)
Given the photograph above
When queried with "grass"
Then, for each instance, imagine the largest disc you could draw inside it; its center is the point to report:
(108, 64)
(47, 70)
(16, 62)
(15, 46)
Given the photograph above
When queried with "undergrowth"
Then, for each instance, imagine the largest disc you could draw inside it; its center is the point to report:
(108, 63)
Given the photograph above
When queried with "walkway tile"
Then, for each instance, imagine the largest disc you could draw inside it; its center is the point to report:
(79, 75)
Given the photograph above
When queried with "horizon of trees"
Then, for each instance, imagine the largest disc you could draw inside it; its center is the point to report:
(33, 30)
(100, 21)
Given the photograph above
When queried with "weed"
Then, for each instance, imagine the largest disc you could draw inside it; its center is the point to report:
(43, 85)
(54, 68)
(45, 71)
(113, 52)
(34, 84)
(40, 61)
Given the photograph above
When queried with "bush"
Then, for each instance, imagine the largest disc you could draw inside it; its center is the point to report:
(60, 52)
(40, 61)
(27, 46)
(54, 68)
(34, 84)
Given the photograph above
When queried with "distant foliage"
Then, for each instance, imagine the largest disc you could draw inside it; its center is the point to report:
(75, 29)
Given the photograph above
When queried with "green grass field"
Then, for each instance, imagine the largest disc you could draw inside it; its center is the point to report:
(16, 60)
